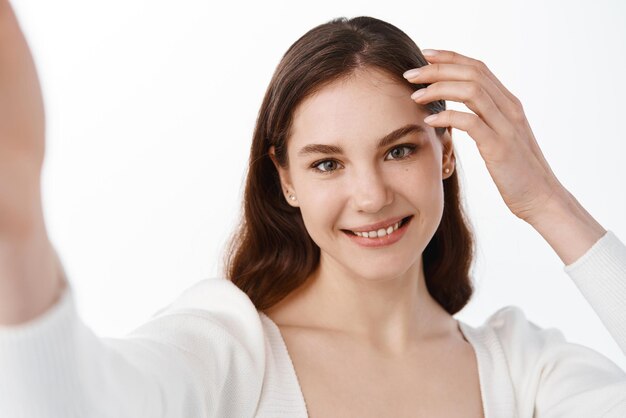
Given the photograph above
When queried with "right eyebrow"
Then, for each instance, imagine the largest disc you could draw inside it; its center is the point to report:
(384, 141)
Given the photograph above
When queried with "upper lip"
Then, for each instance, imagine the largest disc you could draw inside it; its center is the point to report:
(378, 225)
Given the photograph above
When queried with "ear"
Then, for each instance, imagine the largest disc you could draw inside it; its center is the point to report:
(448, 159)
(285, 180)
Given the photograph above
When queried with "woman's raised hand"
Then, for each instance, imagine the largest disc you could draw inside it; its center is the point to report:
(499, 127)
(29, 272)
(508, 146)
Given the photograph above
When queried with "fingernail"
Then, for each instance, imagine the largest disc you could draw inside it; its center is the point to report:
(429, 52)
(430, 118)
(418, 93)
(411, 73)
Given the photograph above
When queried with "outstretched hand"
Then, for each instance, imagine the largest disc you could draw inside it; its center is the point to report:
(499, 127)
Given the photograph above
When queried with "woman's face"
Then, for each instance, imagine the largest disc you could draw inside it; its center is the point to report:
(346, 179)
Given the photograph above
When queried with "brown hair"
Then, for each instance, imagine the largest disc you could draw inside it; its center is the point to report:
(271, 253)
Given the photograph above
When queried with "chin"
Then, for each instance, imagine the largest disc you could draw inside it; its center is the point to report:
(377, 266)
(381, 274)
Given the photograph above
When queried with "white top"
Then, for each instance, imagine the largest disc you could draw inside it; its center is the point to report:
(212, 354)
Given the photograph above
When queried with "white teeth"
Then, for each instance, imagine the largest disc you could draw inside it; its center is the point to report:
(379, 233)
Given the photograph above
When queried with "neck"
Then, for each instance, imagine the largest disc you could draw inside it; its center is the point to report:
(393, 314)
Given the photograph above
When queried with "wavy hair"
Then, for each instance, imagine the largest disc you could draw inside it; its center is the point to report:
(271, 254)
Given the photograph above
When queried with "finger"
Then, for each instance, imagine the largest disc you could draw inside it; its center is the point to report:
(472, 95)
(475, 127)
(515, 111)
(430, 74)
(452, 57)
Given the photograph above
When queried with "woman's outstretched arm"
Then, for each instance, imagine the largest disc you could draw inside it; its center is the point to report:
(29, 279)
(187, 362)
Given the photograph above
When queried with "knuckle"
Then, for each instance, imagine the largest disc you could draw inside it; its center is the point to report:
(474, 122)
(476, 72)
(453, 118)
(474, 90)
(518, 110)
(481, 66)
(518, 115)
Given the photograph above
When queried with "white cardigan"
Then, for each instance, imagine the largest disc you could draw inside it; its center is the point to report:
(212, 354)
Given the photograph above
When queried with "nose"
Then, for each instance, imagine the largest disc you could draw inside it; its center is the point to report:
(370, 191)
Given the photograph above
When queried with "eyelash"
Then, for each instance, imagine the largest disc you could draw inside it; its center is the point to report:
(411, 150)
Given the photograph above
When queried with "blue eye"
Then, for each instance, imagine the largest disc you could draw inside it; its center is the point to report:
(401, 152)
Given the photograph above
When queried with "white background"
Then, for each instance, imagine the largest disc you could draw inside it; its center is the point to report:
(150, 109)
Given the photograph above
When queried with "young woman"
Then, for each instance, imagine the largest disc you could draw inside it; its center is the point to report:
(352, 256)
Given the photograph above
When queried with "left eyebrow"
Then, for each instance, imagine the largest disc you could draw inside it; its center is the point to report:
(386, 140)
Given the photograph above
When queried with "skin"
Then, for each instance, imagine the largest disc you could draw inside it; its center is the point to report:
(27, 287)
(354, 287)
(497, 125)
(407, 354)
(375, 297)
(378, 295)
(508, 146)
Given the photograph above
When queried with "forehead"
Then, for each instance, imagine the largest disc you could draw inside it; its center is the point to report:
(366, 105)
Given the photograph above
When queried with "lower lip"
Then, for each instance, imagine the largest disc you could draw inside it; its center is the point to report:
(383, 241)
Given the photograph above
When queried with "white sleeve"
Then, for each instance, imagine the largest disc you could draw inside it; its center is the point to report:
(554, 378)
(600, 275)
(182, 363)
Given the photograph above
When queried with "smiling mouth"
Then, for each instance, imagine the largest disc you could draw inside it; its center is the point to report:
(380, 232)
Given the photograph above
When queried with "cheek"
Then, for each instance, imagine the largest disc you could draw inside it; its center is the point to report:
(423, 178)
(421, 185)
(320, 206)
